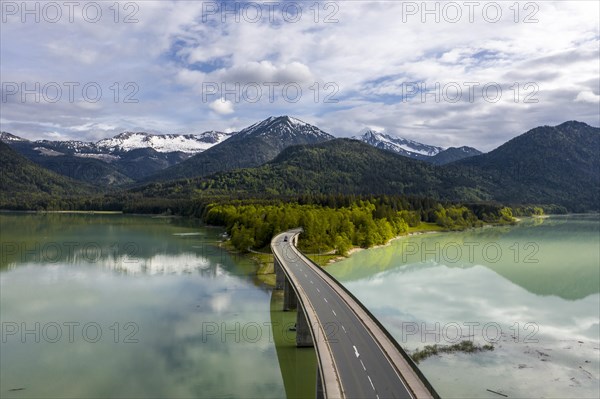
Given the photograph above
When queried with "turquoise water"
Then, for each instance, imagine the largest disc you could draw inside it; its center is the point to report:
(531, 290)
(125, 306)
(121, 306)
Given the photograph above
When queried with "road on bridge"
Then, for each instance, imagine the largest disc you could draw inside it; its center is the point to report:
(364, 369)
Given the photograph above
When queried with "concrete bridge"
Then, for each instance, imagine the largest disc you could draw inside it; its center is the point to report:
(356, 356)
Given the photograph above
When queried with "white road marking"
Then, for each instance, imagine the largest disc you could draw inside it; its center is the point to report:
(344, 328)
(335, 314)
(318, 290)
(356, 351)
(362, 364)
(311, 282)
(305, 275)
(372, 386)
(325, 300)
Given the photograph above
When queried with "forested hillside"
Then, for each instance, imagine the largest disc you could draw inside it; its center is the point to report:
(547, 165)
(25, 185)
(340, 166)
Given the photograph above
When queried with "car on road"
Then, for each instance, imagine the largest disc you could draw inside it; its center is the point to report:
(285, 239)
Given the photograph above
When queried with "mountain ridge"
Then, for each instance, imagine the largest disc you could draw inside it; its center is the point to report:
(250, 147)
(23, 181)
(115, 161)
(453, 154)
(346, 166)
(399, 145)
(127, 141)
(546, 165)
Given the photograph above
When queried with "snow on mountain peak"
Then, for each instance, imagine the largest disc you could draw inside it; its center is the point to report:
(284, 125)
(8, 138)
(371, 131)
(410, 148)
(296, 121)
(188, 143)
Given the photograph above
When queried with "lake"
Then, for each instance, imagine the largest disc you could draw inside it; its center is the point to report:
(531, 290)
(134, 306)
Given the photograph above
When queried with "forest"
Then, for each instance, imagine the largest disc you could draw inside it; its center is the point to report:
(339, 223)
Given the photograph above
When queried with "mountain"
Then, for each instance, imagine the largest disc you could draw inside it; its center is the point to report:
(142, 162)
(66, 159)
(338, 166)
(399, 145)
(119, 160)
(188, 143)
(547, 165)
(252, 146)
(22, 181)
(6, 137)
(453, 154)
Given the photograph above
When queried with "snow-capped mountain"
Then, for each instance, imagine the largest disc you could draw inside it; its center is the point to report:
(402, 146)
(284, 127)
(128, 141)
(252, 146)
(188, 143)
(130, 155)
(7, 138)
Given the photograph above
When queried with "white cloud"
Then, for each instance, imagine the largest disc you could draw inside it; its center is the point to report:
(588, 96)
(71, 51)
(368, 54)
(57, 136)
(222, 106)
(190, 78)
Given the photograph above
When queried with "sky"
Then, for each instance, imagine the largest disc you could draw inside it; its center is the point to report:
(447, 73)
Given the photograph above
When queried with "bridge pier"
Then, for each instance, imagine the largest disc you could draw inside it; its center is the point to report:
(279, 275)
(320, 392)
(303, 336)
(290, 301)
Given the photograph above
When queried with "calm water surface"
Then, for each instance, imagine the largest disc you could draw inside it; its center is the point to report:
(532, 290)
(125, 306)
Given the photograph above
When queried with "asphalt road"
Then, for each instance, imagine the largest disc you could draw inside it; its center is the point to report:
(364, 369)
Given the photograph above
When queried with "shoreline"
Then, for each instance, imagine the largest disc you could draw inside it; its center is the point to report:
(355, 250)
(266, 268)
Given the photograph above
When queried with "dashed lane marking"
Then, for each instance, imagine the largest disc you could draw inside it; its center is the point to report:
(372, 386)
(335, 314)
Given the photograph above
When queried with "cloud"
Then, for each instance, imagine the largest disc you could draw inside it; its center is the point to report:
(222, 106)
(365, 58)
(588, 96)
(252, 72)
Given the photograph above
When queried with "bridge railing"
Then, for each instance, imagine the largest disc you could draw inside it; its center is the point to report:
(327, 368)
(329, 280)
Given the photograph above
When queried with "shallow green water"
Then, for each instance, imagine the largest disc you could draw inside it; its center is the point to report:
(131, 306)
(125, 306)
(532, 290)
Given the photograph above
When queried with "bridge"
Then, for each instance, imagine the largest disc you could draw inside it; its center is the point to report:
(356, 356)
